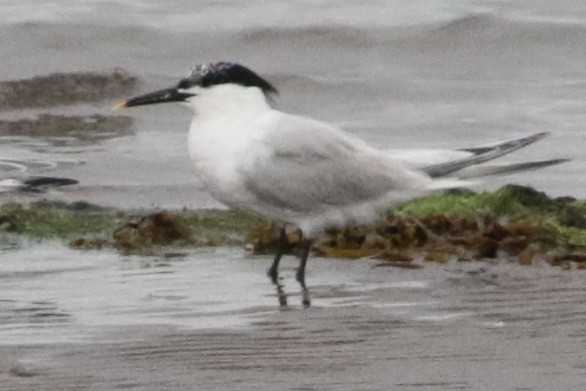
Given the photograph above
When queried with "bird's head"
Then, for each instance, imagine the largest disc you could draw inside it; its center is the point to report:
(209, 79)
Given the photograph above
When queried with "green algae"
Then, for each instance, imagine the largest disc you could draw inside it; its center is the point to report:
(209, 228)
(510, 200)
(516, 217)
(90, 226)
(220, 227)
(562, 221)
(55, 220)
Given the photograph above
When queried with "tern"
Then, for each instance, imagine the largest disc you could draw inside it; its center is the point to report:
(299, 171)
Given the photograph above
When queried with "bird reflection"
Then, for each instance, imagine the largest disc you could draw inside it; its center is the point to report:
(280, 291)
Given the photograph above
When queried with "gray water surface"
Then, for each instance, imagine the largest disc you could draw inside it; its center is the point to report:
(211, 320)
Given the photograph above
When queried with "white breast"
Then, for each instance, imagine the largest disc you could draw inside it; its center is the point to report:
(227, 120)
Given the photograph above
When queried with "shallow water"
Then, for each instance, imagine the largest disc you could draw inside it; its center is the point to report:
(211, 320)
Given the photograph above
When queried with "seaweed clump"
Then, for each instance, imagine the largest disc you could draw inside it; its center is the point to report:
(88, 226)
(515, 223)
(63, 89)
(58, 220)
(59, 89)
(210, 228)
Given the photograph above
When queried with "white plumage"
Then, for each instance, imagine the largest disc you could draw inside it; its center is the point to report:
(290, 168)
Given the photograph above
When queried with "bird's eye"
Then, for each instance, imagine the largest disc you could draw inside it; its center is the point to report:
(183, 84)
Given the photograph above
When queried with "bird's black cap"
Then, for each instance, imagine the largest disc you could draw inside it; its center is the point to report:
(210, 74)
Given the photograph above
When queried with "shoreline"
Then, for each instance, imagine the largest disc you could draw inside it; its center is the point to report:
(514, 223)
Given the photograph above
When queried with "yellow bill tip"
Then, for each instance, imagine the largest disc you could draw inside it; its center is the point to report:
(120, 106)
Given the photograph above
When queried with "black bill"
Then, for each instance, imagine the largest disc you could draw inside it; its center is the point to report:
(161, 96)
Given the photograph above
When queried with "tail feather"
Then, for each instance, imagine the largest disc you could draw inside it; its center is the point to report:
(481, 155)
(481, 171)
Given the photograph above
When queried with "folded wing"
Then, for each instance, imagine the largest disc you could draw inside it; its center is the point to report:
(307, 166)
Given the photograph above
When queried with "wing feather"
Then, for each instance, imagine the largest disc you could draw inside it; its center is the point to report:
(308, 167)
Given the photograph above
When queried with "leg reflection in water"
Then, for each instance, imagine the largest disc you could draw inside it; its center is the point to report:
(273, 272)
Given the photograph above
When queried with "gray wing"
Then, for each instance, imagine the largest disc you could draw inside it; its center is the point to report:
(307, 167)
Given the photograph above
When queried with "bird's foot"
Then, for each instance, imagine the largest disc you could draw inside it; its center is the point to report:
(305, 300)
(282, 297)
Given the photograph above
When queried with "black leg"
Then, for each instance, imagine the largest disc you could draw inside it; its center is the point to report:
(305, 248)
(273, 272)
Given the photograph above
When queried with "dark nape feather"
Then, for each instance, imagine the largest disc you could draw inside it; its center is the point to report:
(211, 74)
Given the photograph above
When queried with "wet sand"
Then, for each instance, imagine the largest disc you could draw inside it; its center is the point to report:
(210, 320)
